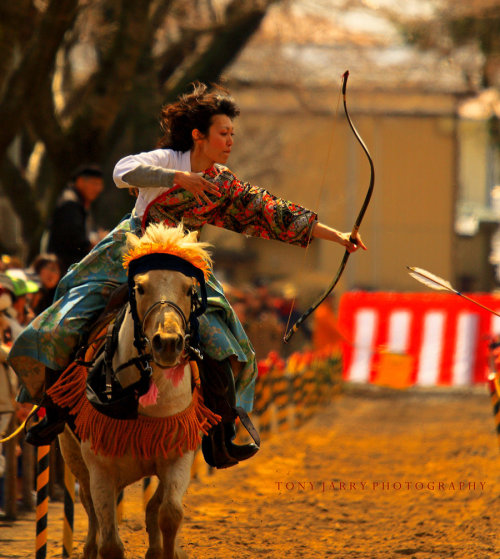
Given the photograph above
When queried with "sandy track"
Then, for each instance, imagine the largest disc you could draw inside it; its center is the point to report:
(378, 474)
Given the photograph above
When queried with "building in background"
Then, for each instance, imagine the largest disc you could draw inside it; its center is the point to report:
(432, 156)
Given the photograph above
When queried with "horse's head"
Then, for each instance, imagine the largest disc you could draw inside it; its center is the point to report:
(163, 266)
(163, 300)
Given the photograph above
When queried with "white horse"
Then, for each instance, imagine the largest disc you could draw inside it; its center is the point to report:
(171, 415)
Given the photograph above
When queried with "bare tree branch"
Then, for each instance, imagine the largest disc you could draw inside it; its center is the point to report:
(243, 19)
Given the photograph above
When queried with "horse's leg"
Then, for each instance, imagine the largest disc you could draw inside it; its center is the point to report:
(103, 492)
(175, 476)
(104, 498)
(90, 547)
(70, 449)
(152, 527)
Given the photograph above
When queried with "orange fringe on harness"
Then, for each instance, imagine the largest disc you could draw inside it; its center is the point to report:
(144, 437)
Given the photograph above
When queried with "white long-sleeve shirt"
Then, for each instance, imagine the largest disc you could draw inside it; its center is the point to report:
(166, 158)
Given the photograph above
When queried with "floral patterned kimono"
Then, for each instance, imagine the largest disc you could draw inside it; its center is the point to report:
(53, 337)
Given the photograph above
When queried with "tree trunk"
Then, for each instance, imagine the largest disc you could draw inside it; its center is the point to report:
(36, 64)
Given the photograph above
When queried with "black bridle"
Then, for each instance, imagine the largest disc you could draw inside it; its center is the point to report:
(161, 261)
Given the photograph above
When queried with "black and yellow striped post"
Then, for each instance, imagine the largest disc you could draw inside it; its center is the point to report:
(42, 500)
(147, 491)
(494, 385)
(69, 511)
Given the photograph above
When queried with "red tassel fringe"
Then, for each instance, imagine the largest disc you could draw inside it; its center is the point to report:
(144, 437)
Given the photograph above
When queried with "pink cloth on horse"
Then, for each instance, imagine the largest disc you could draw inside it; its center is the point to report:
(175, 374)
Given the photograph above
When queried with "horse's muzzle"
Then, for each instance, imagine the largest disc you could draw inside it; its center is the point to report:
(167, 348)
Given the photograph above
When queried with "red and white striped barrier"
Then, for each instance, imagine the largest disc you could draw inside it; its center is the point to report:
(445, 336)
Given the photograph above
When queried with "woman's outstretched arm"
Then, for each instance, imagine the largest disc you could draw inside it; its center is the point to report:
(321, 231)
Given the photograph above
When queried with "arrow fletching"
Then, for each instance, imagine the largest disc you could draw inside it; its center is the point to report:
(435, 282)
(430, 280)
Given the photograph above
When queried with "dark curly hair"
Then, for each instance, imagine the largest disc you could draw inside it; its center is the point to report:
(192, 111)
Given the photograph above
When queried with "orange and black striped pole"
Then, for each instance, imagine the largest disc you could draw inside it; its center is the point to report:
(42, 500)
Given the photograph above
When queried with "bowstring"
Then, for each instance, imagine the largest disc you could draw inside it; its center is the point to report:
(319, 196)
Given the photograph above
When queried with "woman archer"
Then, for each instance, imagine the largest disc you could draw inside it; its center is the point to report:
(186, 180)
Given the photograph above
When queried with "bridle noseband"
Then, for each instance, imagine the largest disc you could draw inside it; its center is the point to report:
(186, 336)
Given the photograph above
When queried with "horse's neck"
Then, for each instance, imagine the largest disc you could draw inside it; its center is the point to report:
(173, 396)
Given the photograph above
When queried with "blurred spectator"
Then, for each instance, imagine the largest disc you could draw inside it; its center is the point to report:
(265, 312)
(264, 297)
(71, 234)
(265, 333)
(8, 381)
(326, 333)
(48, 270)
(23, 291)
(7, 262)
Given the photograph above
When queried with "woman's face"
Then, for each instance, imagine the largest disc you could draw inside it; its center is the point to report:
(216, 145)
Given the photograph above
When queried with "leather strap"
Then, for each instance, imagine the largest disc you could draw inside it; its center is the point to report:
(247, 423)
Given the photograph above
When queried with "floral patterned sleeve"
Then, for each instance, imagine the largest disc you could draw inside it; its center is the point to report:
(242, 208)
(253, 211)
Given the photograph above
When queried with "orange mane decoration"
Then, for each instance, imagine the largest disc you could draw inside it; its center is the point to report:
(161, 239)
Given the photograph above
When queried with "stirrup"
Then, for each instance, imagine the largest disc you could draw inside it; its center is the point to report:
(214, 449)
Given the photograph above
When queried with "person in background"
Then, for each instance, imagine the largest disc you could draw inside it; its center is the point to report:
(70, 234)
(7, 262)
(326, 333)
(9, 328)
(25, 289)
(48, 270)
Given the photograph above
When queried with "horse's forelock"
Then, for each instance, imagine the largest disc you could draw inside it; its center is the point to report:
(174, 240)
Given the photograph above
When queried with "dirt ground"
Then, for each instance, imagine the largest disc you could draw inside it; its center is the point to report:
(378, 474)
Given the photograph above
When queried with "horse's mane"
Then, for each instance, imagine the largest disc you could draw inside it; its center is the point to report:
(159, 238)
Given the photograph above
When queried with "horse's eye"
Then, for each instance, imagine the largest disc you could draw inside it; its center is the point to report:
(140, 289)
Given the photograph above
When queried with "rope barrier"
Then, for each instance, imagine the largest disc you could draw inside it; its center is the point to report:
(42, 500)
